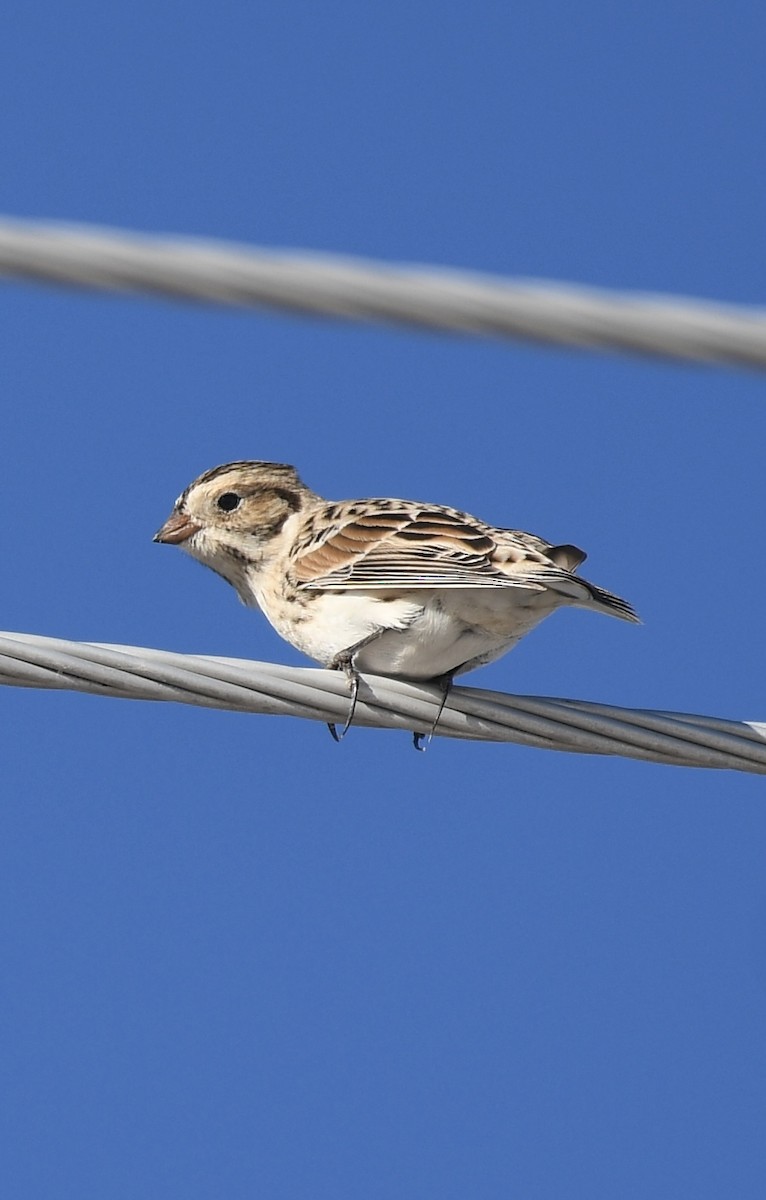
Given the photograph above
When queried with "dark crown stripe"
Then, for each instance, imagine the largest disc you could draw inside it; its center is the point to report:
(278, 474)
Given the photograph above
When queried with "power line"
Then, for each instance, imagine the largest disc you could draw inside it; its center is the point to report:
(138, 673)
(356, 289)
(114, 260)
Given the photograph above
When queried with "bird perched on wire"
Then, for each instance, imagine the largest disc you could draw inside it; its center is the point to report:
(394, 587)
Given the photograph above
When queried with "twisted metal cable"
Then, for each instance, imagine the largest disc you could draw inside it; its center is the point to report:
(138, 673)
(355, 289)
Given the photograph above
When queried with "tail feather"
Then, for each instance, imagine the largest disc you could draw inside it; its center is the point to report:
(615, 606)
(569, 557)
(582, 593)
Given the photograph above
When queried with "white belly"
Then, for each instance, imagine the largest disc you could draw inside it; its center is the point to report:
(422, 635)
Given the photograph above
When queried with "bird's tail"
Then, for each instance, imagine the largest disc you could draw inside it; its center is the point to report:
(561, 578)
(607, 602)
(584, 594)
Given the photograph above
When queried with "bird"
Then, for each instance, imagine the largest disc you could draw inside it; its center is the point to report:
(400, 588)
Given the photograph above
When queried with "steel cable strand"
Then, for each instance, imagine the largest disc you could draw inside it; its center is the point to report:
(134, 672)
(357, 289)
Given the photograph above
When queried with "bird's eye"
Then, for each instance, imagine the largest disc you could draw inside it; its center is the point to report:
(228, 501)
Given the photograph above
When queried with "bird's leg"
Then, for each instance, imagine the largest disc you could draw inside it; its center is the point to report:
(445, 683)
(345, 662)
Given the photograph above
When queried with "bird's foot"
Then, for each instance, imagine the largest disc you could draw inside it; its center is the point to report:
(344, 662)
(421, 741)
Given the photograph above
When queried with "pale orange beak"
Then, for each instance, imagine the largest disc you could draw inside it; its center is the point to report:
(176, 529)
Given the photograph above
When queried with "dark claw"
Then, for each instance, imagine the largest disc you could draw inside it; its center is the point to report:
(345, 662)
(354, 680)
(445, 683)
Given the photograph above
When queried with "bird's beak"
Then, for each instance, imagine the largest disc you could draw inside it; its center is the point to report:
(177, 528)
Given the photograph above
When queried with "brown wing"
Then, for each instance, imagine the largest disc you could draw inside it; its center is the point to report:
(405, 547)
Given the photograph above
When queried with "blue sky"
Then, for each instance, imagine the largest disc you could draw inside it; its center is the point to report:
(236, 959)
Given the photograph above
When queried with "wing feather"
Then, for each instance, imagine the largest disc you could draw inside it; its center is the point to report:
(420, 547)
(376, 545)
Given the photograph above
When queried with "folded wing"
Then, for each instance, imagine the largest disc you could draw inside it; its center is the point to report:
(420, 547)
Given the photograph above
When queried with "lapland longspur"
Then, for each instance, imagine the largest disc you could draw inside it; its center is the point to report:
(393, 587)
